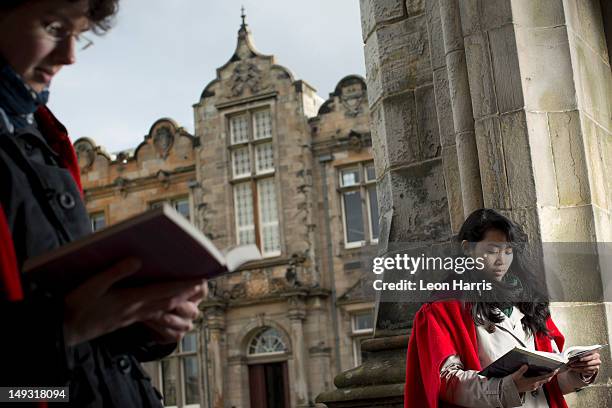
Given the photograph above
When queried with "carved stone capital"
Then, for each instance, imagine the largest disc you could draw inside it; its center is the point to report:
(296, 300)
(214, 315)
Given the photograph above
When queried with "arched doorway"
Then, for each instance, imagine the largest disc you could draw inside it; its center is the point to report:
(268, 373)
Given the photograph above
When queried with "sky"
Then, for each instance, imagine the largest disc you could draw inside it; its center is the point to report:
(161, 54)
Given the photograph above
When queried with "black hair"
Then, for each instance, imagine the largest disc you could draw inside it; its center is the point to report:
(100, 13)
(531, 302)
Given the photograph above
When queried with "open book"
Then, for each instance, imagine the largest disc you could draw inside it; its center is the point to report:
(539, 362)
(168, 245)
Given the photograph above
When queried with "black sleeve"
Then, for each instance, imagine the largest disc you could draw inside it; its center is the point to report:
(32, 343)
(136, 340)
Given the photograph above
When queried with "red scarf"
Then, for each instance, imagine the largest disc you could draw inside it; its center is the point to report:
(446, 328)
(57, 137)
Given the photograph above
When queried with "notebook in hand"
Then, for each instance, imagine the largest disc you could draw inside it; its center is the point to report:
(539, 362)
(169, 246)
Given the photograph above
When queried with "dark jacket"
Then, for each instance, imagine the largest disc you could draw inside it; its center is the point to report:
(42, 209)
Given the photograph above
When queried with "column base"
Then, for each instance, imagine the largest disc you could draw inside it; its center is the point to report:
(378, 382)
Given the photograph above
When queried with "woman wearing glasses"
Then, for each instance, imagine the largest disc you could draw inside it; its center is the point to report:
(93, 339)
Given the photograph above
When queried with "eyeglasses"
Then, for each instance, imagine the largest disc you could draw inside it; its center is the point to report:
(58, 32)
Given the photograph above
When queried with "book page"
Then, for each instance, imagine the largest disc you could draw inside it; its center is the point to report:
(578, 351)
(238, 256)
(553, 356)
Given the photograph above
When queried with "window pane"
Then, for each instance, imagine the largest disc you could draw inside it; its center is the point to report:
(370, 172)
(349, 177)
(353, 216)
(374, 227)
(358, 353)
(268, 341)
(169, 379)
(243, 206)
(363, 321)
(268, 215)
(191, 380)
(264, 157)
(239, 129)
(241, 162)
(182, 206)
(262, 123)
(98, 221)
(189, 343)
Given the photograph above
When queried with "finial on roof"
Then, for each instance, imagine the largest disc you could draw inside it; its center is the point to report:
(243, 16)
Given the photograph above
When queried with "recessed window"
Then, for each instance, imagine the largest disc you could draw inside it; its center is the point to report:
(239, 128)
(253, 170)
(98, 221)
(180, 375)
(264, 158)
(359, 204)
(180, 204)
(268, 341)
(353, 217)
(362, 323)
(262, 124)
(349, 177)
(241, 162)
(243, 207)
(268, 216)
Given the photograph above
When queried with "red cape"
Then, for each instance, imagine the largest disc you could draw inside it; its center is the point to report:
(57, 137)
(446, 328)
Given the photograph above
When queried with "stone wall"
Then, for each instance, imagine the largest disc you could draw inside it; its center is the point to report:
(297, 292)
(162, 167)
(521, 99)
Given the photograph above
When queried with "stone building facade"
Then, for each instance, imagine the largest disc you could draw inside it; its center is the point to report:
(274, 164)
(162, 168)
(505, 104)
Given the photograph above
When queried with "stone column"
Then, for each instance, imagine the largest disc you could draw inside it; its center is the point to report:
(540, 87)
(466, 153)
(415, 154)
(215, 315)
(297, 314)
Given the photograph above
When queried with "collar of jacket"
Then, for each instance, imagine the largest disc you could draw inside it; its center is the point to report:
(17, 99)
(57, 137)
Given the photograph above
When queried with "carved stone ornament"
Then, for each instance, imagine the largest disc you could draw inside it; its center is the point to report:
(86, 154)
(164, 178)
(352, 99)
(121, 184)
(245, 75)
(163, 140)
(355, 142)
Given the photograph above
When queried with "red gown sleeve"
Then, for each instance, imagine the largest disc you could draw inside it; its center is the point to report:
(440, 329)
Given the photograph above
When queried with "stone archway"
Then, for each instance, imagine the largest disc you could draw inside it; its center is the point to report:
(266, 358)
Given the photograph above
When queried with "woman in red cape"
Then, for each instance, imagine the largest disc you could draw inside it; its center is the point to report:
(453, 338)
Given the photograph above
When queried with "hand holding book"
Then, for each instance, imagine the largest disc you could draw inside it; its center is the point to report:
(585, 364)
(541, 363)
(98, 307)
(149, 268)
(169, 326)
(526, 384)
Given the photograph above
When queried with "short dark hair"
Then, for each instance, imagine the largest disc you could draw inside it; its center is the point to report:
(100, 14)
